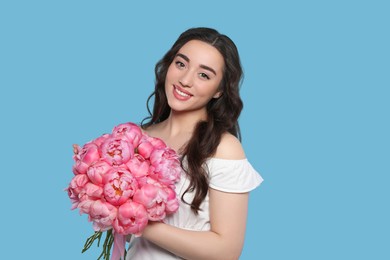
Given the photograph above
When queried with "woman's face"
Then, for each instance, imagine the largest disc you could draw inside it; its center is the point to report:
(193, 77)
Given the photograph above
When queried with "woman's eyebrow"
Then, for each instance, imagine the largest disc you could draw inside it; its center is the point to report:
(202, 66)
(184, 57)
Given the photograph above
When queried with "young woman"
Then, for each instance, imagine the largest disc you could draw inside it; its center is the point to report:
(196, 108)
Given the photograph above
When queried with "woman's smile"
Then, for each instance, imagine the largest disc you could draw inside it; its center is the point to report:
(180, 93)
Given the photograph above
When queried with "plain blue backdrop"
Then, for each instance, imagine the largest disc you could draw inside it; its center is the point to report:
(315, 122)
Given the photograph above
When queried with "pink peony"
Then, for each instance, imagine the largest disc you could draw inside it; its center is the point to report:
(85, 206)
(93, 191)
(117, 150)
(119, 186)
(84, 157)
(145, 148)
(153, 198)
(157, 142)
(172, 204)
(148, 145)
(166, 165)
(131, 219)
(100, 140)
(131, 131)
(102, 214)
(97, 170)
(76, 189)
(138, 166)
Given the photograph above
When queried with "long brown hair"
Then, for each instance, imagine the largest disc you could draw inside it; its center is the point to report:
(222, 113)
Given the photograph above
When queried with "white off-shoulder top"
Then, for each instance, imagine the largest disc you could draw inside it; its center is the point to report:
(235, 176)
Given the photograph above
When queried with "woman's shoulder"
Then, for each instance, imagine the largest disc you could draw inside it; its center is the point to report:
(230, 148)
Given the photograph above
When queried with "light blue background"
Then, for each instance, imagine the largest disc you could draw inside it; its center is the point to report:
(315, 122)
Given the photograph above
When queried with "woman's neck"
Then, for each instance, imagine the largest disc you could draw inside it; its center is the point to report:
(177, 129)
(177, 123)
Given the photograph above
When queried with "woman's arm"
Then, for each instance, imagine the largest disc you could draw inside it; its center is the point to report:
(228, 213)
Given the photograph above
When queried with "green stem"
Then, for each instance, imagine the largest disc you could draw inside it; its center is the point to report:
(107, 245)
(91, 239)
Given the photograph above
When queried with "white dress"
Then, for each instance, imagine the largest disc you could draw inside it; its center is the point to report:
(235, 176)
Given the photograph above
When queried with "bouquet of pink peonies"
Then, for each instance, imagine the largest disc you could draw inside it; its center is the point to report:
(122, 180)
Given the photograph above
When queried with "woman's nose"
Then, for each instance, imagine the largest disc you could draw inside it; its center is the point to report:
(187, 79)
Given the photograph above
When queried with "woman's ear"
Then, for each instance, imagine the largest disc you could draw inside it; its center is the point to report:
(218, 94)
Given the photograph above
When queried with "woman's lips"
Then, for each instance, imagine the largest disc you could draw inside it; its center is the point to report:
(181, 94)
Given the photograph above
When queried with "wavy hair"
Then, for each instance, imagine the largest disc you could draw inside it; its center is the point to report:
(222, 113)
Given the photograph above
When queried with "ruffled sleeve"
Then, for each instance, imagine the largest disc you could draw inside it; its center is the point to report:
(232, 175)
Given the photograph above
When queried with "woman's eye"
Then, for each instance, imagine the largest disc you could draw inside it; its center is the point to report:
(179, 64)
(204, 76)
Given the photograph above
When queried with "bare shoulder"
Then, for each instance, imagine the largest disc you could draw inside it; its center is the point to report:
(230, 148)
